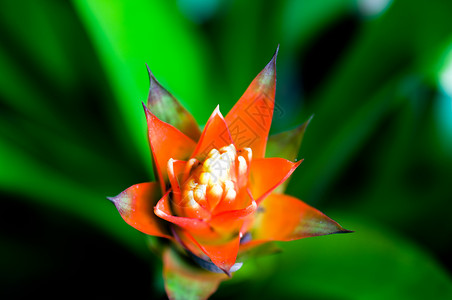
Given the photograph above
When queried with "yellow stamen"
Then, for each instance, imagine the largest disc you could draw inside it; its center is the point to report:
(217, 181)
(200, 193)
(214, 195)
(204, 178)
(243, 168)
(230, 196)
(248, 153)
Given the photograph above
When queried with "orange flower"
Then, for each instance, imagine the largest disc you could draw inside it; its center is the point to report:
(214, 195)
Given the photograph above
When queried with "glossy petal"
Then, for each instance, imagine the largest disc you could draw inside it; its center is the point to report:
(188, 242)
(169, 110)
(285, 218)
(163, 210)
(184, 281)
(223, 255)
(222, 251)
(223, 218)
(262, 181)
(135, 205)
(250, 119)
(175, 169)
(166, 142)
(215, 135)
(235, 214)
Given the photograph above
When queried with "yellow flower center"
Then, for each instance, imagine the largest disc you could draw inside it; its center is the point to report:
(216, 181)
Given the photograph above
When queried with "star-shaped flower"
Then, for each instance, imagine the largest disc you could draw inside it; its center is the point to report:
(216, 195)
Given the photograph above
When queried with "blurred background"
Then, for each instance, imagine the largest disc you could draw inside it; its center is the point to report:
(376, 75)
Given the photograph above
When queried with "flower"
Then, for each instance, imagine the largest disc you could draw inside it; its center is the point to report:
(216, 194)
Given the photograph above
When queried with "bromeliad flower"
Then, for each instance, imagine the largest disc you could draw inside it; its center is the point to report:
(216, 195)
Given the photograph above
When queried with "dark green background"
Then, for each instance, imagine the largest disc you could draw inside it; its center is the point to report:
(378, 152)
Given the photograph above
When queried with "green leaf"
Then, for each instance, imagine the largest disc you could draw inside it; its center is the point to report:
(344, 140)
(187, 281)
(302, 19)
(129, 34)
(373, 263)
(22, 175)
(352, 266)
(380, 55)
(286, 145)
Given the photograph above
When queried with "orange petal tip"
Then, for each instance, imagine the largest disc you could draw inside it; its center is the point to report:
(134, 205)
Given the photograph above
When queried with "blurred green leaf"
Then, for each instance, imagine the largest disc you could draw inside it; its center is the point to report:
(22, 175)
(26, 100)
(344, 140)
(44, 49)
(372, 263)
(286, 144)
(124, 52)
(302, 19)
(187, 282)
(377, 62)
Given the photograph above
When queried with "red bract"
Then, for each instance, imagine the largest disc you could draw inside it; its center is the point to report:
(215, 191)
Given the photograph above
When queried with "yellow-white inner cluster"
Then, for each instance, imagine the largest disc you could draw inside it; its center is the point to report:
(217, 179)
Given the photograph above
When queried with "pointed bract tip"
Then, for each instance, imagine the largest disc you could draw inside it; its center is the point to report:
(302, 128)
(217, 111)
(227, 272)
(344, 231)
(144, 107)
(149, 70)
(275, 55)
(152, 79)
(150, 74)
(298, 162)
(147, 111)
(112, 199)
(271, 66)
(210, 266)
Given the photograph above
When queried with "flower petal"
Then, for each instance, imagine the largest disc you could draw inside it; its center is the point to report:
(267, 173)
(215, 135)
(221, 250)
(169, 110)
(135, 205)
(223, 255)
(250, 119)
(188, 242)
(224, 218)
(175, 170)
(166, 142)
(235, 214)
(163, 210)
(184, 281)
(285, 218)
